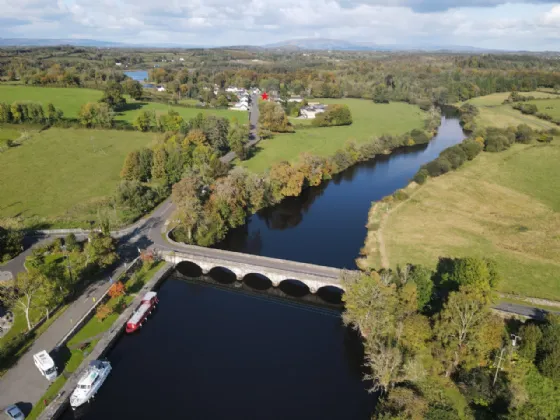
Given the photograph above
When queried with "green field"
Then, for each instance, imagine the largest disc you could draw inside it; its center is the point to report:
(496, 99)
(504, 116)
(70, 100)
(501, 205)
(58, 173)
(370, 120)
(548, 106)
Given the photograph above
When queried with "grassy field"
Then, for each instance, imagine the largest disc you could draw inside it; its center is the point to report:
(70, 100)
(504, 116)
(501, 205)
(496, 99)
(549, 106)
(370, 120)
(58, 172)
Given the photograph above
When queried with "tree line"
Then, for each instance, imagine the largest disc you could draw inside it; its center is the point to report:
(22, 112)
(207, 208)
(435, 350)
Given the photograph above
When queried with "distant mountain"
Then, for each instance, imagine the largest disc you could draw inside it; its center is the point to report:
(341, 45)
(37, 42)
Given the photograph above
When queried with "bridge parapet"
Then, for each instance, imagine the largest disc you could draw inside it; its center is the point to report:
(314, 276)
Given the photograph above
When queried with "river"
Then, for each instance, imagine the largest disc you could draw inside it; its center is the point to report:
(212, 352)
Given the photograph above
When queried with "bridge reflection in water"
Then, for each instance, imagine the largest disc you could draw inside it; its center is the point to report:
(326, 296)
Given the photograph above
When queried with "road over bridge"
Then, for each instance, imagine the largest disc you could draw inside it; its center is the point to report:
(313, 276)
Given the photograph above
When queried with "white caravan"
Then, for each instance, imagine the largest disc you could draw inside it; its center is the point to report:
(46, 365)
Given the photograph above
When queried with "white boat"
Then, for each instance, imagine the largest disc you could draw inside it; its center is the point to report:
(90, 382)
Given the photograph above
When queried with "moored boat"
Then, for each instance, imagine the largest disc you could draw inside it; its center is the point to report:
(90, 382)
(149, 302)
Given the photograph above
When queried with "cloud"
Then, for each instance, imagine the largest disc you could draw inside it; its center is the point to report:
(223, 22)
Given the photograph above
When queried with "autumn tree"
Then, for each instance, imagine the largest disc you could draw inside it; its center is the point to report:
(286, 180)
(272, 117)
(103, 311)
(158, 163)
(117, 289)
(132, 168)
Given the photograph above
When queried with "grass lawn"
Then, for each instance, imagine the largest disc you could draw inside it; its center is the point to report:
(504, 116)
(496, 99)
(501, 205)
(548, 106)
(57, 174)
(370, 120)
(70, 100)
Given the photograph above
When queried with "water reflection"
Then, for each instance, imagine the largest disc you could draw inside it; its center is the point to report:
(326, 224)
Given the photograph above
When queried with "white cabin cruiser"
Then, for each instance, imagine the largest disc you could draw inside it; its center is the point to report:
(90, 382)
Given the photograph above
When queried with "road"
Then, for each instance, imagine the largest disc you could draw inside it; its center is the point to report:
(253, 133)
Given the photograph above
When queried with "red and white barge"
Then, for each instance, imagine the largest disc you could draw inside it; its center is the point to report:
(149, 302)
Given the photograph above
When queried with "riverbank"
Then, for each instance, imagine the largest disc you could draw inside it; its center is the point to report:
(500, 205)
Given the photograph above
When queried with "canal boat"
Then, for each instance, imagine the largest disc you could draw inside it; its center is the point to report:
(90, 382)
(149, 302)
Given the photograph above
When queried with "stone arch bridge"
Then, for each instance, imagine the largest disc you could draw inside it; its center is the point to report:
(313, 276)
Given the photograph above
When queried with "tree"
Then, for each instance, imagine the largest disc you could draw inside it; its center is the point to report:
(195, 137)
(380, 94)
(222, 101)
(94, 114)
(335, 114)
(158, 164)
(422, 278)
(112, 95)
(11, 243)
(133, 88)
(524, 134)
(28, 286)
(103, 311)
(132, 168)
(237, 139)
(71, 243)
(136, 197)
(145, 159)
(144, 121)
(100, 250)
(117, 289)
(460, 325)
(286, 180)
(186, 196)
(272, 117)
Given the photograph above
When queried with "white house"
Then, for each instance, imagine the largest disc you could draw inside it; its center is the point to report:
(297, 99)
(118, 64)
(181, 59)
(311, 111)
(240, 106)
(160, 89)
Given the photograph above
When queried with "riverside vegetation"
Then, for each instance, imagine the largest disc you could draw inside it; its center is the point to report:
(434, 349)
(512, 211)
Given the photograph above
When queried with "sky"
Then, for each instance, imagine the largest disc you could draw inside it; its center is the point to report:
(513, 25)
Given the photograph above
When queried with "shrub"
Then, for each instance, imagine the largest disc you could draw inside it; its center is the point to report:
(419, 136)
(544, 138)
(400, 195)
(543, 116)
(103, 311)
(438, 167)
(6, 144)
(524, 134)
(71, 242)
(526, 108)
(497, 144)
(421, 176)
(471, 148)
(455, 155)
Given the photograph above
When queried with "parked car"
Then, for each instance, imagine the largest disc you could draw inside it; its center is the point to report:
(13, 412)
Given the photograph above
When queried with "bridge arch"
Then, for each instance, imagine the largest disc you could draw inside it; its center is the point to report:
(257, 281)
(222, 275)
(331, 294)
(295, 288)
(189, 269)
